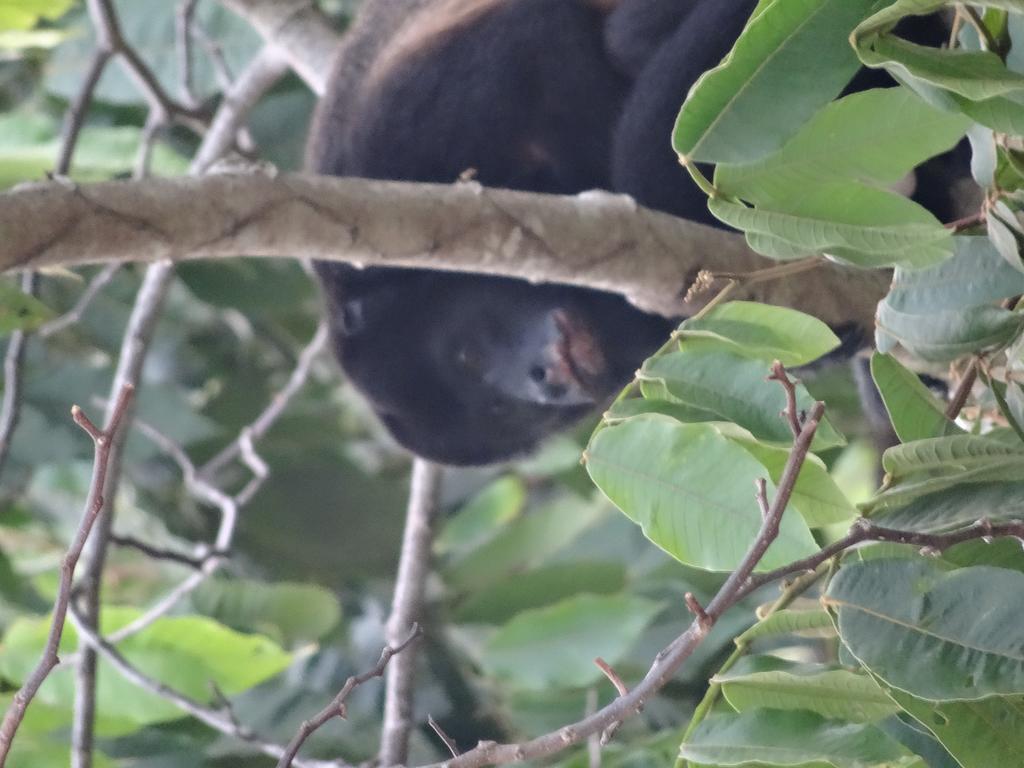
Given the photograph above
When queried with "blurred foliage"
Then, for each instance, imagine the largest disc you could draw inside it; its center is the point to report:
(536, 571)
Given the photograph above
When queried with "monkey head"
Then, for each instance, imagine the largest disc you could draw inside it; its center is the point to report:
(466, 369)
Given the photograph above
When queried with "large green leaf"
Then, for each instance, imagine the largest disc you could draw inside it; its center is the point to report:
(864, 225)
(944, 336)
(914, 411)
(482, 517)
(876, 136)
(975, 75)
(710, 378)
(955, 453)
(555, 647)
(765, 331)
(189, 653)
(976, 274)
(291, 613)
(778, 738)
(958, 506)
(979, 734)
(526, 542)
(502, 600)
(815, 495)
(816, 623)
(936, 634)
(764, 91)
(768, 682)
(691, 490)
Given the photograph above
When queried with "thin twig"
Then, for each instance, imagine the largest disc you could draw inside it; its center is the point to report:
(221, 720)
(407, 608)
(103, 441)
(337, 707)
(789, 387)
(266, 419)
(99, 281)
(963, 390)
(183, 19)
(448, 740)
(864, 530)
(170, 555)
(10, 403)
(668, 661)
(134, 347)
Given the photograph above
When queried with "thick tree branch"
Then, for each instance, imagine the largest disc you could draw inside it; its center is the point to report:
(595, 239)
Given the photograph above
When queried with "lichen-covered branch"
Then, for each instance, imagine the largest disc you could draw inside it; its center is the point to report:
(594, 239)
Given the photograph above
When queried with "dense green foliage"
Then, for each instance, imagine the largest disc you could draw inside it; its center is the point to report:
(910, 658)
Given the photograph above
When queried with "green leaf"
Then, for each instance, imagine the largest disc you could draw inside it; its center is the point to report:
(707, 377)
(777, 738)
(764, 91)
(291, 613)
(768, 682)
(955, 453)
(502, 600)
(526, 542)
(814, 623)
(29, 145)
(766, 332)
(149, 24)
(18, 310)
(944, 336)
(975, 75)
(873, 136)
(25, 14)
(914, 411)
(186, 652)
(976, 274)
(555, 647)
(958, 506)
(492, 508)
(979, 734)
(936, 634)
(691, 490)
(866, 226)
(815, 496)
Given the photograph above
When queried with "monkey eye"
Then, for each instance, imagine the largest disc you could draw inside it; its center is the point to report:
(353, 318)
(467, 359)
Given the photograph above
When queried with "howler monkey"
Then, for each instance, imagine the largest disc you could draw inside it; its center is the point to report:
(554, 96)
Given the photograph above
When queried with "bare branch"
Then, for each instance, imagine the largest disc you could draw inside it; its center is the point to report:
(184, 17)
(134, 347)
(864, 530)
(99, 281)
(221, 720)
(789, 387)
(594, 239)
(337, 706)
(274, 409)
(407, 607)
(103, 442)
(448, 740)
(259, 76)
(672, 656)
(10, 401)
(298, 30)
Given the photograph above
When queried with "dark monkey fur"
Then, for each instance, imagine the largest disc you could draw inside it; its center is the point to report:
(554, 96)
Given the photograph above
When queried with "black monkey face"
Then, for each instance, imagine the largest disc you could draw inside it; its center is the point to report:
(466, 369)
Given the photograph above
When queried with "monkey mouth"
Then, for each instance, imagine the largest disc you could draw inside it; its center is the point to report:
(578, 353)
